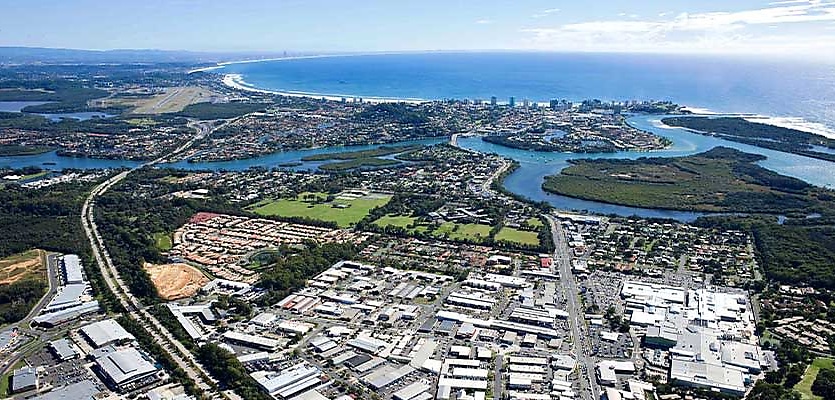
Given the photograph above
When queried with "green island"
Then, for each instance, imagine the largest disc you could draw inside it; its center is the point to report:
(15, 150)
(344, 211)
(351, 155)
(59, 96)
(719, 180)
(371, 162)
(766, 136)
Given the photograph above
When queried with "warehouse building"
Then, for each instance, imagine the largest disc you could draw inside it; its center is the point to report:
(84, 390)
(256, 342)
(72, 270)
(24, 379)
(103, 333)
(63, 350)
(126, 369)
(290, 382)
(53, 319)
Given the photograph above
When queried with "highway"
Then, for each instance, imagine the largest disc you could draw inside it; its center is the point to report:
(588, 387)
(52, 270)
(181, 356)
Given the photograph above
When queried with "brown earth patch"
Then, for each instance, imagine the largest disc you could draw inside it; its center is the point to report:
(22, 266)
(176, 281)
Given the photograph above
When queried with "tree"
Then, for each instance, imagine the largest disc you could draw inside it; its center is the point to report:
(769, 391)
(824, 384)
(794, 375)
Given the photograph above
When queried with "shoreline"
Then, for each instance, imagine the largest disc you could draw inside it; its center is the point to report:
(236, 81)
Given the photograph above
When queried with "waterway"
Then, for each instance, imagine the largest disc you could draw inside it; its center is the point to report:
(534, 166)
(525, 181)
(17, 106)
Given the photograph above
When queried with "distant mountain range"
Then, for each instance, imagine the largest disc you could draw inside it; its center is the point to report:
(39, 55)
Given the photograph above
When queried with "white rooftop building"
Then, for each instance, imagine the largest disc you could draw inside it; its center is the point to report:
(106, 332)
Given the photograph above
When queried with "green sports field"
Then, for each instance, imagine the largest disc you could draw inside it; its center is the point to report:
(517, 236)
(344, 212)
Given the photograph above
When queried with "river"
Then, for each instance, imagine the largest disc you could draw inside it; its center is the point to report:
(17, 106)
(525, 181)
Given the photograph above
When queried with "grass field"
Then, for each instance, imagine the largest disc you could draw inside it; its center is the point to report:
(455, 231)
(460, 232)
(142, 122)
(517, 236)
(402, 221)
(805, 384)
(450, 230)
(22, 266)
(395, 220)
(535, 222)
(163, 241)
(355, 211)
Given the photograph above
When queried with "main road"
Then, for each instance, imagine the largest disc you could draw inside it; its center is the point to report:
(588, 385)
(181, 356)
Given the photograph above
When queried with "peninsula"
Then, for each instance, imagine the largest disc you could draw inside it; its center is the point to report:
(772, 137)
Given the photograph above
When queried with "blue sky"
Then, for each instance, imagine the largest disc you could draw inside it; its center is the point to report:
(707, 26)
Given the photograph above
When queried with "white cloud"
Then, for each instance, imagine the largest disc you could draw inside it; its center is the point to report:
(484, 21)
(709, 31)
(546, 13)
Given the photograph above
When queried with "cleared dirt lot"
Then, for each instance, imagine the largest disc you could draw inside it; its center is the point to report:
(22, 266)
(176, 281)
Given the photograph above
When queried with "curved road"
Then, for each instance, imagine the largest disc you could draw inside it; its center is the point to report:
(181, 356)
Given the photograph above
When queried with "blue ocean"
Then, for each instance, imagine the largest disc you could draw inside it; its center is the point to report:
(795, 89)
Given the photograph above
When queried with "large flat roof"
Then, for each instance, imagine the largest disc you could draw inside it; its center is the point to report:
(23, 378)
(125, 365)
(105, 332)
(84, 390)
(73, 269)
(63, 349)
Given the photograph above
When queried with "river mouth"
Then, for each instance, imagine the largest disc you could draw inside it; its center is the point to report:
(526, 181)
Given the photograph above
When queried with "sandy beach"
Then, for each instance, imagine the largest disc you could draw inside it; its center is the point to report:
(236, 81)
(796, 123)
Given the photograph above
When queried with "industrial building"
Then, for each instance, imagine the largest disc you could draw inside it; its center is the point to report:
(103, 333)
(24, 379)
(256, 342)
(72, 269)
(203, 311)
(126, 369)
(84, 390)
(290, 382)
(63, 350)
(53, 319)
